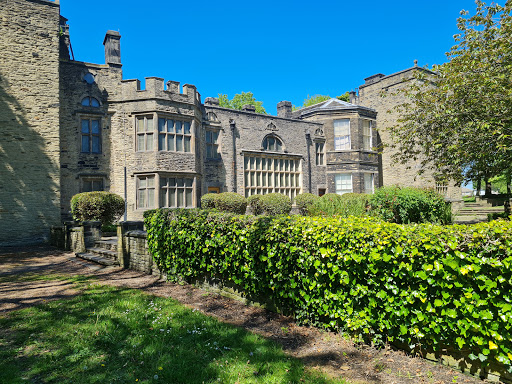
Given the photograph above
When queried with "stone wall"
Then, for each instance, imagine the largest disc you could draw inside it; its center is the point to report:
(380, 92)
(29, 118)
(249, 130)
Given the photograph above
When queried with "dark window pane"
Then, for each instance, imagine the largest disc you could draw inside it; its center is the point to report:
(94, 102)
(170, 142)
(161, 125)
(95, 124)
(85, 144)
(170, 125)
(96, 147)
(178, 127)
(187, 128)
(188, 182)
(161, 142)
(187, 143)
(85, 126)
(86, 103)
(87, 186)
(179, 143)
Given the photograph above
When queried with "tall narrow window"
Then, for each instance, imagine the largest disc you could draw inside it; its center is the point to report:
(367, 134)
(174, 135)
(145, 131)
(369, 182)
(176, 192)
(342, 134)
(319, 151)
(343, 183)
(91, 136)
(212, 148)
(146, 191)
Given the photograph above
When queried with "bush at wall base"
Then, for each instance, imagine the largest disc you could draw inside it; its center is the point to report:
(97, 206)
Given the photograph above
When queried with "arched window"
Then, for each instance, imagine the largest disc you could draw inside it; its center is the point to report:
(90, 102)
(272, 143)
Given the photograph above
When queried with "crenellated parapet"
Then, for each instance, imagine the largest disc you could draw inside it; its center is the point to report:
(156, 88)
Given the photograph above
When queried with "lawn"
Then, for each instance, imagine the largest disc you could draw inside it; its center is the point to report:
(112, 335)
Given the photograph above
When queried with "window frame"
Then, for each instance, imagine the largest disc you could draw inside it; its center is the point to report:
(147, 188)
(148, 136)
(372, 175)
(166, 133)
(90, 102)
(341, 137)
(212, 146)
(261, 175)
(320, 155)
(368, 137)
(343, 191)
(92, 179)
(90, 135)
(276, 147)
(177, 188)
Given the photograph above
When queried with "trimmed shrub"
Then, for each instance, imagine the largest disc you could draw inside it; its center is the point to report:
(99, 206)
(409, 205)
(425, 286)
(209, 200)
(304, 201)
(255, 205)
(231, 202)
(275, 204)
(332, 204)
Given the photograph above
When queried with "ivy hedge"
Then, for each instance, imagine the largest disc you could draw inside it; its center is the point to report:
(424, 285)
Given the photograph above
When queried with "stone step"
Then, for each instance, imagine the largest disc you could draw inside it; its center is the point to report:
(107, 243)
(102, 252)
(97, 259)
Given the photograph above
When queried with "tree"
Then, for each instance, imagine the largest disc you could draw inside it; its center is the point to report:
(239, 100)
(458, 118)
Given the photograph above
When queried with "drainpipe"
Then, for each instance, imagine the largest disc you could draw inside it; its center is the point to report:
(308, 141)
(232, 125)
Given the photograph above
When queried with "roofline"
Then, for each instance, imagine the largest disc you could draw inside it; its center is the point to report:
(260, 114)
(396, 74)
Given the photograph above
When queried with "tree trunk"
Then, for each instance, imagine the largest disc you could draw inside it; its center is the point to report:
(488, 188)
(478, 186)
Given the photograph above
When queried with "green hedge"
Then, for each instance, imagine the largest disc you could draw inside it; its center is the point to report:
(304, 201)
(270, 204)
(101, 206)
(404, 205)
(428, 285)
(226, 201)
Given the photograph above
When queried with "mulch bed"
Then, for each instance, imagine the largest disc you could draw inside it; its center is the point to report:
(327, 351)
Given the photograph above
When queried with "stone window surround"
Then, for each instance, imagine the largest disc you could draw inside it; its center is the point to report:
(90, 135)
(319, 156)
(157, 175)
(155, 133)
(277, 139)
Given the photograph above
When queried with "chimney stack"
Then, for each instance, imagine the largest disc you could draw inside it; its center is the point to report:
(352, 97)
(284, 109)
(112, 43)
(249, 108)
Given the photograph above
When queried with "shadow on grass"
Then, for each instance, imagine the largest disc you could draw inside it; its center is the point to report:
(121, 335)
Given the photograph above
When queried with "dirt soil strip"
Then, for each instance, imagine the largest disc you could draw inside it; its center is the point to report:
(327, 351)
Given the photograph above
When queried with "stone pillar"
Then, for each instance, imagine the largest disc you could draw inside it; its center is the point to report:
(284, 109)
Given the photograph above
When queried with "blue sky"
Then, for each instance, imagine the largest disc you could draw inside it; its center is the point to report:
(279, 50)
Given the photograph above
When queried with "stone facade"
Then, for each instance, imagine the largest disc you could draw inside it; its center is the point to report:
(29, 115)
(70, 127)
(381, 93)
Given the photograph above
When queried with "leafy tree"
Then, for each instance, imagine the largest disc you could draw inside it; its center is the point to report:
(344, 97)
(239, 100)
(458, 119)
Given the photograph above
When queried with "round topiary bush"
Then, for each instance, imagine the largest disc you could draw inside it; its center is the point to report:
(98, 206)
(209, 200)
(276, 204)
(255, 205)
(304, 201)
(231, 202)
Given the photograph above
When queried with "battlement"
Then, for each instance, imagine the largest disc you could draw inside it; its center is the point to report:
(155, 87)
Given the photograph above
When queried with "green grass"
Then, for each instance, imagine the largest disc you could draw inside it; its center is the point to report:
(108, 335)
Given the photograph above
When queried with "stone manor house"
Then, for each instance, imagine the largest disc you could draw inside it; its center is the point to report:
(70, 126)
